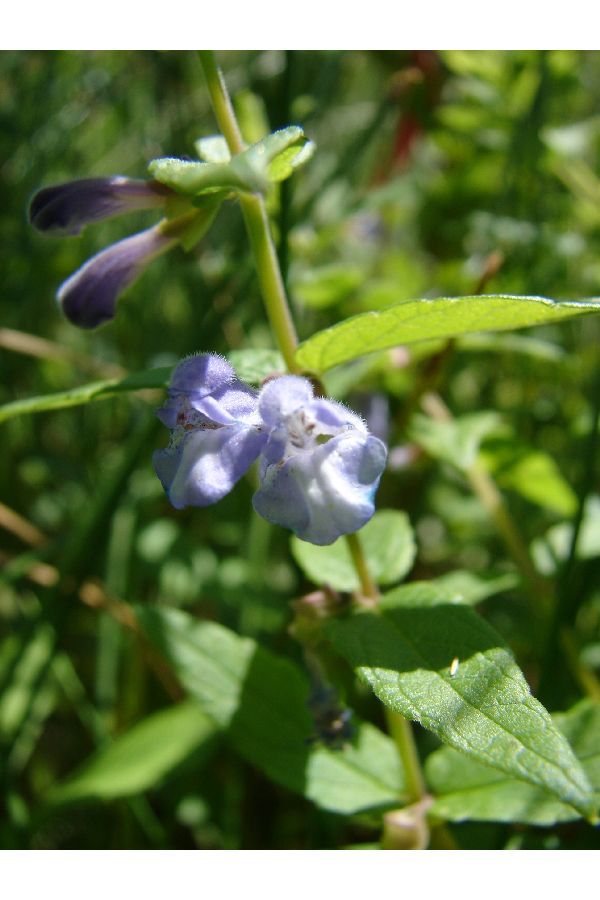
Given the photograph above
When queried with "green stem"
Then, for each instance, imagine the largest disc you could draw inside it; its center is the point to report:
(278, 311)
(402, 733)
(256, 220)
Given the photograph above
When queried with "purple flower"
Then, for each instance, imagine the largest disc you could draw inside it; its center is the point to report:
(320, 467)
(64, 209)
(89, 297)
(216, 432)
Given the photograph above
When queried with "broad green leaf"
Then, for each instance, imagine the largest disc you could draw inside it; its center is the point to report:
(272, 159)
(530, 473)
(553, 549)
(142, 757)
(466, 790)
(387, 542)
(471, 589)
(406, 654)
(253, 366)
(427, 319)
(262, 700)
(456, 441)
(87, 393)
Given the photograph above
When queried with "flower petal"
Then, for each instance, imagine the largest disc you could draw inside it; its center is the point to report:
(327, 492)
(64, 209)
(205, 465)
(89, 296)
(283, 396)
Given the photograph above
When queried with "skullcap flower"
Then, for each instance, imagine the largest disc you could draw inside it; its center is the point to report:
(64, 209)
(89, 297)
(320, 467)
(216, 432)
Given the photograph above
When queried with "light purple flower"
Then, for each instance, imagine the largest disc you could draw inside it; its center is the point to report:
(216, 432)
(320, 467)
(64, 209)
(89, 297)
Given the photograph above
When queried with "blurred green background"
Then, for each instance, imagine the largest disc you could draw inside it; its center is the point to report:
(436, 173)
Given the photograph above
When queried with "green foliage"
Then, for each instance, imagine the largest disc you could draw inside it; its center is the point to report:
(484, 708)
(141, 758)
(388, 545)
(272, 159)
(425, 319)
(438, 174)
(262, 701)
(466, 790)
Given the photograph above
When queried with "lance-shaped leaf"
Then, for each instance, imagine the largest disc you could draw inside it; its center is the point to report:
(125, 767)
(270, 160)
(262, 701)
(438, 663)
(466, 790)
(430, 319)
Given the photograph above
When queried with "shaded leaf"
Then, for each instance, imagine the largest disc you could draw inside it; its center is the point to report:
(388, 545)
(426, 319)
(466, 587)
(456, 441)
(530, 473)
(485, 709)
(262, 701)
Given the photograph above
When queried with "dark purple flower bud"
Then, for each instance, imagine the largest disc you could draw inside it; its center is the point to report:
(64, 209)
(89, 297)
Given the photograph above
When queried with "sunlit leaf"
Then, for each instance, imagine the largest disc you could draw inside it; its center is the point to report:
(427, 319)
(435, 661)
(142, 757)
(466, 790)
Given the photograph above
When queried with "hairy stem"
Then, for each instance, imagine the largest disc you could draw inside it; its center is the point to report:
(256, 220)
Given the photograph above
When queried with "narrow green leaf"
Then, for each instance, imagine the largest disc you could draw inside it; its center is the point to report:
(466, 790)
(87, 393)
(388, 544)
(407, 653)
(552, 549)
(466, 587)
(262, 700)
(427, 319)
(142, 757)
(456, 441)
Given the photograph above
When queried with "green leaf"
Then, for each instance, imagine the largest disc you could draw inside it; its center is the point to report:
(327, 285)
(531, 473)
(273, 158)
(388, 544)
(456, 441)
(466, 587)
(466, 790)
(142, 757)
(553, 549)
(427, 319)
(262, 700)
(253, 366)
(406, 654)
(87, 393)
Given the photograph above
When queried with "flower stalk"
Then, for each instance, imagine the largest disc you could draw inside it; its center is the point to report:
(256, 220)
